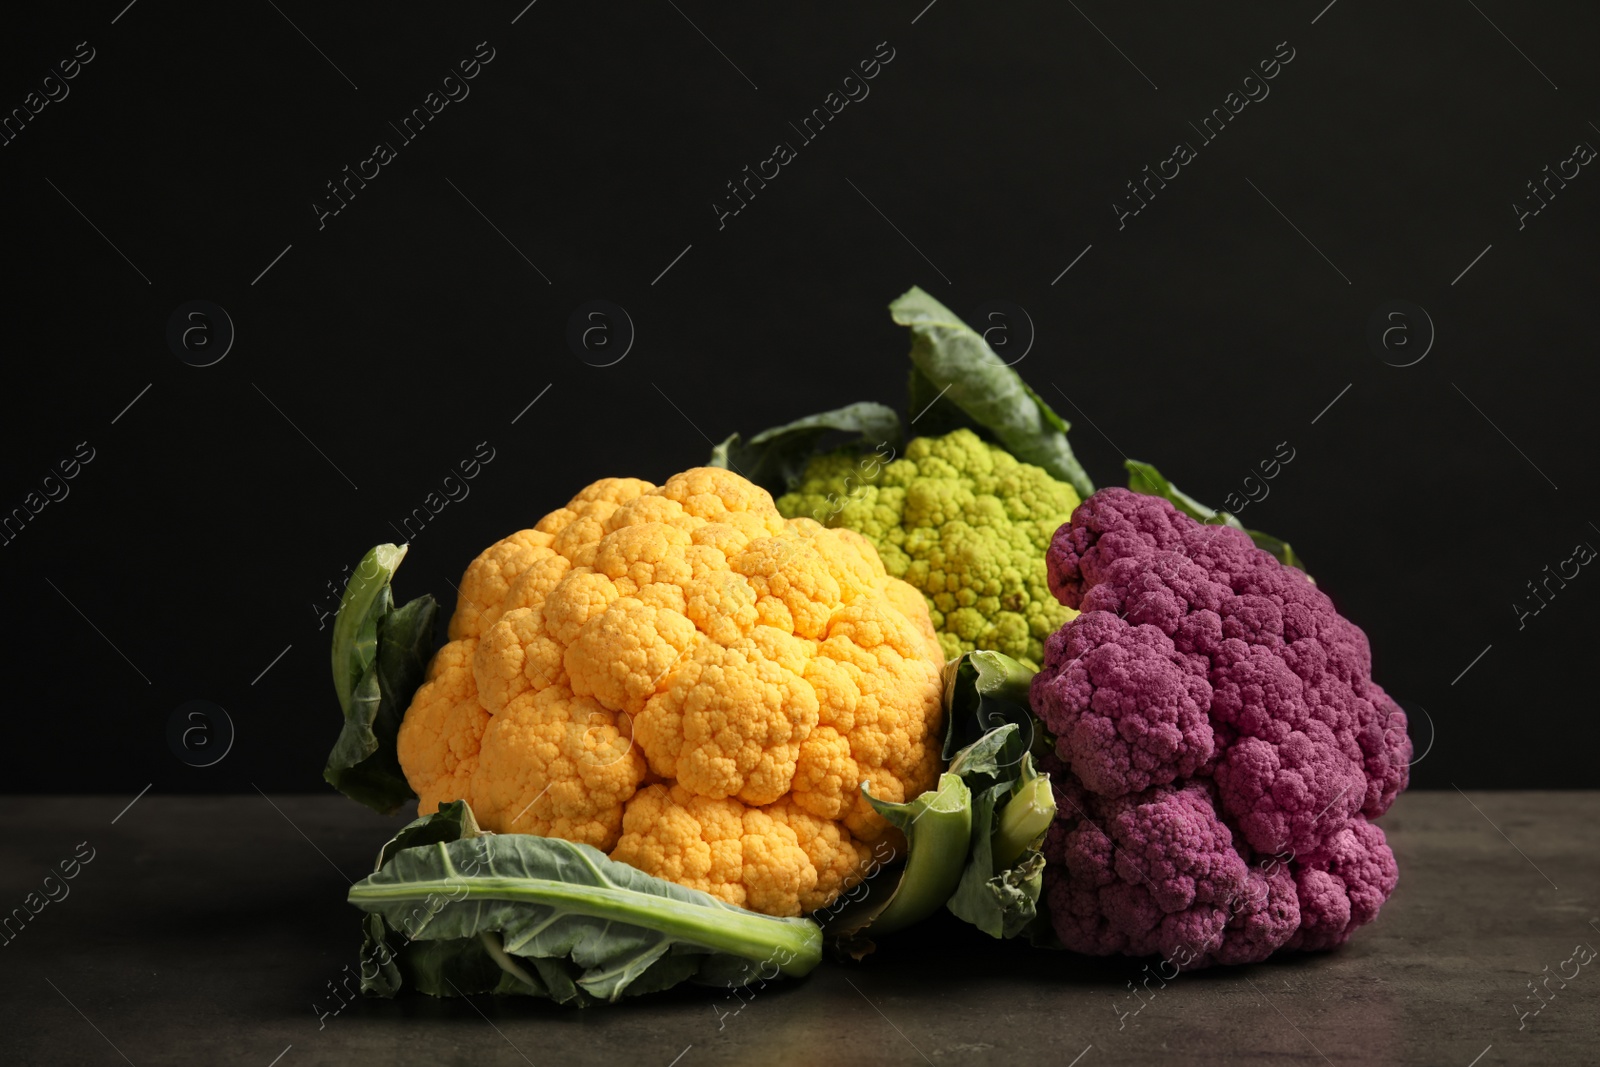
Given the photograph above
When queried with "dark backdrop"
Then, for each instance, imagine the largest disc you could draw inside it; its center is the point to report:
(192, 555)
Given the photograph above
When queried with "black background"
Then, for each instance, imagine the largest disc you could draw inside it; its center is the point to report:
(200, 541)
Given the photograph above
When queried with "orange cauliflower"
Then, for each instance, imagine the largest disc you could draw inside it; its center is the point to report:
(683, 678)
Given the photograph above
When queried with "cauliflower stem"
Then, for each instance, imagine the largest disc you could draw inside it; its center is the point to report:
(1027, 816)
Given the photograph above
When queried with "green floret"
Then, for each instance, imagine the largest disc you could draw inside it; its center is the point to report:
(963, 521)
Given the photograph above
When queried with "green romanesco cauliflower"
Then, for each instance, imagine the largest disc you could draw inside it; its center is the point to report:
(963, 521)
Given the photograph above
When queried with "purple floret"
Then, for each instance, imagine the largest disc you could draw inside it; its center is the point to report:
(1264, 917)
(1146, 874)
(1127, 705)
(1222, 745)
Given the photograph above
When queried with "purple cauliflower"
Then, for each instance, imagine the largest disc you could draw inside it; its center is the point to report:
(1220, 745)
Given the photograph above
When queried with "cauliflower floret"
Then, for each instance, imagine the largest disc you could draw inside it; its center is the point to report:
(871, 727)
(962, 521)
(774, 860)
(1144, 874)
(441, 735)
(1343, 886)
(731, 720)
(557, 765)
(489, 578)
(1204, 677)
(1127, 705)
(683, 677)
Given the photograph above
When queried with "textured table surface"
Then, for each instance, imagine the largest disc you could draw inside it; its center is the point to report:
(204, 931)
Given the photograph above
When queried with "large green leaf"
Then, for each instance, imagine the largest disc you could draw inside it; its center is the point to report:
(452, 822)
(517, 913)
(954, 360)
(935, 413)
(1144, 478)
(775, 459)
(386, 650)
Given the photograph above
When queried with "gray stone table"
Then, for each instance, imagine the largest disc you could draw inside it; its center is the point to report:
(202, 930)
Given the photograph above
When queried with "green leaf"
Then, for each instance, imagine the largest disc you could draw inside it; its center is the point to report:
(355, 629)
(999, 888)
(935, 413)
(1016, 893)
(989, 734)
(1002, 900)
(391, 647)
(517, 913)
(380, 951)
(983, 691)
(391, 962)
(452, 822)
(954, 359)
(1144, 478)
(775, 459)
(994, 757)
(938, 827)
(1278, 548)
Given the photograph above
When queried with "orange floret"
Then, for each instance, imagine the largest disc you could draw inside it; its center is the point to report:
(684, 678)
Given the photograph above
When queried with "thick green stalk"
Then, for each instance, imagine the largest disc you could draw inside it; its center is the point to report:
(738, 933)
(1024, 820)
(939, 826)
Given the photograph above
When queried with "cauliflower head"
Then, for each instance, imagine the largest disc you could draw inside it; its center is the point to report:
(963, 521)
(1219, 743)
(681, 677)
